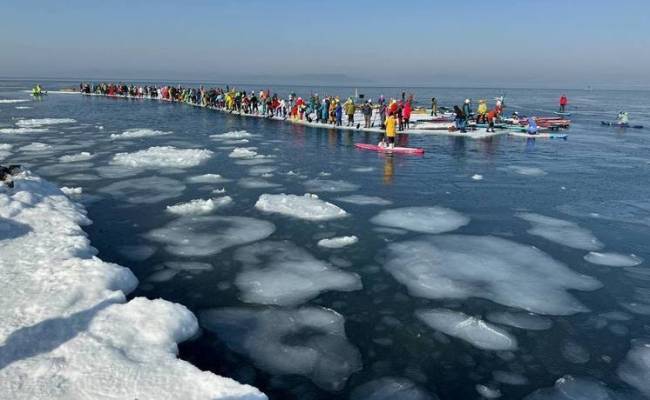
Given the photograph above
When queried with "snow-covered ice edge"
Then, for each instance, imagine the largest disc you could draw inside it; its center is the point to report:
(67, 329)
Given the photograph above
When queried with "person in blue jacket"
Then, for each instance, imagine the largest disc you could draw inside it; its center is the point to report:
(339, 114)
(325, 110)
(532, 126)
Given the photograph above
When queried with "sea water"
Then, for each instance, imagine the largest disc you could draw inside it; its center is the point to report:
(533, 280)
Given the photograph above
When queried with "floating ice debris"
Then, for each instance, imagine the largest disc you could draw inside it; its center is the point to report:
(309, 341)
(12, 101)
(71, 190)
(323, 173)
(364, 200)
(470, 329)
(570, 388)
(508, 273)
(308, 207)
(189, 266)
(256, 183)
(199, 206)
(561, 232)
(207, 178)
(338, 242)
(362, 169)
(242, 152)
(149, 190)
(520, 320)
(236, 141)
(67, 330)
(35, 146)
(628, 211)
(574, 352)
(162, 156)
(136, 252)
(116, 171)
(487, 392)
(207, 235)
(31, 123)
(232, 135)
(261, 170)
(635, 370)
(5, 150)
(83, 156)
(613, 259)
(528, 171)
(324, 185)
(509, 378)
(390, 389)
(219, 191)
(23, 130)
(138, 133)
(477, 177)
(283, 274)
(163, 275)
(23, 108)
(421, 219)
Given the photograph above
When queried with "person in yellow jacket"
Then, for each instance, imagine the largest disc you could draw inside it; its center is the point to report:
(349, 109)
(481, 112)
(391, 128)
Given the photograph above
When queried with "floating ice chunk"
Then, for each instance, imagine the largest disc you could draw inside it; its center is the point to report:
(236, 141)
(219, 191)
(613, 259)
(561, 232)
(261, 170)
(421, 219)
(207, 178)
(136, 252)
(338, 242)
(470, 329)
(31, 123)
(199, 206)
(364, 200)
(308, 207)
(189, 266)
(390, 389)
(477, 177)
(362, 169)
(508, 273)
(528, 171)
(324, 185)
(203, 236)
(145, 190)
(162, 156)
(309, 341)
(36, 146)
(163, 275)
(574, 352)
(635, 370)
(23, 130)
(22, 108)
(232, 135)
(488, 392)
(12, 101)
(242, 152)
(570, 388)
(628, 211)
(509, 378)
(71, 190)
(83, 156)
(256, 183)
(290, 275)
(520, 320)
(138, 133)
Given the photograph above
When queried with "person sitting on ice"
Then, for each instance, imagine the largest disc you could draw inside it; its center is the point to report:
(623, 118)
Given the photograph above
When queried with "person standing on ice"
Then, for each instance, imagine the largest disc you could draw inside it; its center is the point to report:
(564, 101)
(367, 113)
(349, 111)
(407, 114)
(434, 107)
(382, 111)
(467, 108)
(461, 119)
(339, 114)
(481, 112)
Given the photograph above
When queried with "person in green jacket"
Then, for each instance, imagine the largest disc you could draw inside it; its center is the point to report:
(349, 109)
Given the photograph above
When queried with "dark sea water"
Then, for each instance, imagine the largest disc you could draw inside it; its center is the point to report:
(506, 260)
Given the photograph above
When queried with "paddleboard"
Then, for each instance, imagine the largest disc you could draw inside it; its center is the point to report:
(540, 135)
(616, 124)
(382, 149)
(564, 114)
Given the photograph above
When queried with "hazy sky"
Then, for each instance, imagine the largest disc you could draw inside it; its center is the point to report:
(530, 43)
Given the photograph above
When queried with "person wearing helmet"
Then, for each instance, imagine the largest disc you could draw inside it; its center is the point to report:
(467, 108)
(623, 118)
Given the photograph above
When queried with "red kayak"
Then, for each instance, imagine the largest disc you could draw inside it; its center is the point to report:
(383, 149)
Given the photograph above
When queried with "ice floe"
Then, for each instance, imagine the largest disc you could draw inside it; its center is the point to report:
(281, 273)
(509, 378)
(330, 186)
(162, 157)
(257, 183)
(574, 352)
(506, 272)
(470, 329)
(309, 341)
(32, 123)
(528, 171)
(148, 190)
(635, 211)
(232, 135)
(206, 235)
(363, 200)
(13, 101)
(83, 156)
(207, 178)
(635, 370)
(199, 206)
(308, 206)
(390, 388)
(421, 219)
(67, 330)
(520, 320)
(138, 133)
(136, 252)
(23, 108)
(23, 130)
(570, 388)
(613, 259)
(477, 177)
(561, 232)
(242, 152)
(488, 392)
(71, 190)
(338, 242)
(35, 146)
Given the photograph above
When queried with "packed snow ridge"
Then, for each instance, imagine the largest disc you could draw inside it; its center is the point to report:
(308, 206)
(138, 133)
(161, 157)
(199, 206)
(67, 328)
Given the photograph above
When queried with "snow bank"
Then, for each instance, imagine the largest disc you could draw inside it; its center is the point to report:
(470, 329)
(67, 330)
(561, 232)
(138, 133)
(161, 157)
(309, 341)
(338, 242)
(32, 123)
(83, 156)
(199, 206)
(613, 259)
(508, 273)
(308, 206)
(421, 219)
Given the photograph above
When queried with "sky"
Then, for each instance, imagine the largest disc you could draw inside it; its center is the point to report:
(497, 43)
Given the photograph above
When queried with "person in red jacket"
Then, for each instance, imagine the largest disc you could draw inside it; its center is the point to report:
(563, 103)
(407, 114)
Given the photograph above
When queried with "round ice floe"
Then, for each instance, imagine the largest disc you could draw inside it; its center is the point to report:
(574, 352)
(470, 329)
(364, 200)
(508, 273)
(23, 130)
(35, 147)
(207, 178)
(199, 206)
(390, 389)
(116, 171)
(261, 170)
(203, 236)
(243, 152)
(281, 273)
(421, 219)
(570, 388)
(256, 183)
(338, 242)
(309, 342)
(488, 392)
(635, 370)
(136, 252)
(635, 211)
(613, 259)
(138, 133)
(30, 123)
(324, 185)
(83, 156)
(509, 378)
(232, 135)
(561, 232)
(308, 207)
(520, 320)
(145, 190)
(162, 157)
